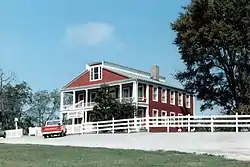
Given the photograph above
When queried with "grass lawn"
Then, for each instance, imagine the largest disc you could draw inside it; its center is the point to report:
(53, 156)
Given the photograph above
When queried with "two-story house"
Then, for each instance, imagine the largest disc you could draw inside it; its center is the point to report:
(148, 90)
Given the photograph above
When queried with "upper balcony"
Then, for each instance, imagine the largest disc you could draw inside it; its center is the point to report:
(85, 99)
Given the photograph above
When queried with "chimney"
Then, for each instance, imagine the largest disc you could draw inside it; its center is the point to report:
(155, 72)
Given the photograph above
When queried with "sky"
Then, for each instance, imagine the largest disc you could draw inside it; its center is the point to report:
(47, 43)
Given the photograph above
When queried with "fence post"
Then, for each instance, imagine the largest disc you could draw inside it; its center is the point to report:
(212, 124)
(188, 122)
(113, 125)
(147, 123)
(97, 128)
(135, 122)
(168, 123)
(128, 126)
(236, 122)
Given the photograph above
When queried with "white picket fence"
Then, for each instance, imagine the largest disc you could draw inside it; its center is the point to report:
(14, 133)
(180, 123)
(187, 123)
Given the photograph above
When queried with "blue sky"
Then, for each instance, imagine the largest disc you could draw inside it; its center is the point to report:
(47, 43)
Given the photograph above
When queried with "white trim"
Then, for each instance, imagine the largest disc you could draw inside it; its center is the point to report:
(171, 113)
(193, 106)
(189, 99)
(78, 97)
(157, 115)
(180, 99)
(93, 74)
(143, 89)
(95, 86)
(147, 93)
(180, 120)
(129, 93)
(157, 98)
(164, 111)
(172, 117)
(172, 103)
(164, 91)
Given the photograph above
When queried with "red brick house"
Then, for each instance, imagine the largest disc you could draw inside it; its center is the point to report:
(149, 91)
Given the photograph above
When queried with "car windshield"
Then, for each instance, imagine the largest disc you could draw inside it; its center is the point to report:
(53, 122)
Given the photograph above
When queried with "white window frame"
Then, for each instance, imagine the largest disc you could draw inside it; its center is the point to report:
(80, 94)
(172, 102)
(129, 94)
(172, 117)
(92, 73)
(157, 116)
(164, 91)
(164, 118)
(189, 100)
(155, 99)
(180, 99)
(180, 119)
(143, 93)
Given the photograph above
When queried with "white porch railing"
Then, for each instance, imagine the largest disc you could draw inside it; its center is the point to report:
(79, 105)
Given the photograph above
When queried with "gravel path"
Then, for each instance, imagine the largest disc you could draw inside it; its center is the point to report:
(231, 145)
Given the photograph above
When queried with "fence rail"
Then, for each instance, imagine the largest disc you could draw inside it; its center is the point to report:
(181, 123)
(214, 123)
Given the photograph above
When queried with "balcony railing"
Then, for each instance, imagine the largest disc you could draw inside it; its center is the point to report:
(79, 105)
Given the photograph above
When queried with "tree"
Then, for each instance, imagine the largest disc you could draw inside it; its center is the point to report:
(213, 38)
(108, 107)
(45, 106)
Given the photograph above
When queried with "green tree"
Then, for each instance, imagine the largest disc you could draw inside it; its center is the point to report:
(45, 105)
(213, 38)
(108, 107)
(14, 99)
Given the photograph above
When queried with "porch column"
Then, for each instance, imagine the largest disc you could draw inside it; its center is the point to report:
(135, 92)
(120, 92)
(74, 98)
(85, 116)
(86, 97)
(147, 94)
(61, 118)
(61, 101)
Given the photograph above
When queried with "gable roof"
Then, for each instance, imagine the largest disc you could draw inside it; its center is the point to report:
(128, 72)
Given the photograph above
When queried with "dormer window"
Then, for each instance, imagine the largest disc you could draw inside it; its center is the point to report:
(95, 73)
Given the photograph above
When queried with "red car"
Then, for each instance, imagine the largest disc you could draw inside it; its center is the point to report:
(53, 128)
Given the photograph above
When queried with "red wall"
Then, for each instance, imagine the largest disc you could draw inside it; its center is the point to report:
(167, 107)
(107, 76)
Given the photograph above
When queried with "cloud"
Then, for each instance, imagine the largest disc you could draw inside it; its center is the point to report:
(89, 34)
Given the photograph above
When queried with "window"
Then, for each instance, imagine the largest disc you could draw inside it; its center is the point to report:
(80, 97)
(164, 116)
(95, 73)
(172, 97)
(141, 92)
(92, 96)
(180, 99)
(155, 115)
(187, 101)
(164, 96)
(172, 119)
(180, 119)
(155, 94)
(125, 92)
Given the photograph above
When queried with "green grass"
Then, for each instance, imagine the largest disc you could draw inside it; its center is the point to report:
(55, 156)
